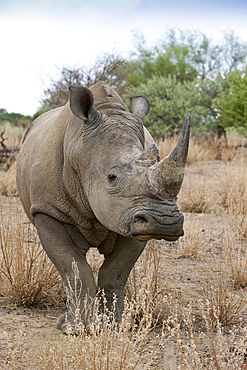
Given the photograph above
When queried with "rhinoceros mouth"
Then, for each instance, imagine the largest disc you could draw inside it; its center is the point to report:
(146, 237)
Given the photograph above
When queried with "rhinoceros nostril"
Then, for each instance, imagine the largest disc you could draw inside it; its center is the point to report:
(140, 218)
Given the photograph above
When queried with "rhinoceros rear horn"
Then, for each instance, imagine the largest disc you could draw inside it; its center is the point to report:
(81, 103)
(149, 157)
(139, 105)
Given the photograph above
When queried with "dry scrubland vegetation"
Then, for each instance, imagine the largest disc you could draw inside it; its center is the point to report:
(185, 301)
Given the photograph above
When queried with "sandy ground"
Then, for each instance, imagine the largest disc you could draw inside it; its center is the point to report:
(25, 334)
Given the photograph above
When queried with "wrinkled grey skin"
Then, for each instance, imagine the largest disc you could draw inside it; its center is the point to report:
(89, 175)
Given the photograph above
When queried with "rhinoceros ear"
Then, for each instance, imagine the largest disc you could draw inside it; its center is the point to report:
(139, 105)
(81, 103)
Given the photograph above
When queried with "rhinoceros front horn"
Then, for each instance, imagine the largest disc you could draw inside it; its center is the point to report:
(166, 176)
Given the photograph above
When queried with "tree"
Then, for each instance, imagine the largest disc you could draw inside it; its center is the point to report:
(187, 65)
(170, 57)
(234, 52)
(231, 102)
(188, 55)
(170, 101)
(110, 68)
(16, 119)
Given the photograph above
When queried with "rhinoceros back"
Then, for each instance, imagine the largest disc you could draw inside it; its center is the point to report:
(40, 164)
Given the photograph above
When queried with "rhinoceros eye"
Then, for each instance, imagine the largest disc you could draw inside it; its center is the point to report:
(112, 177)
(114, 180)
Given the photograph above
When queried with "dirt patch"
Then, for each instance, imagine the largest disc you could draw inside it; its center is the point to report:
(24, 334)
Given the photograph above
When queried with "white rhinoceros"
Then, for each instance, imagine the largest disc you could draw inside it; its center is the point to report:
(90, 175)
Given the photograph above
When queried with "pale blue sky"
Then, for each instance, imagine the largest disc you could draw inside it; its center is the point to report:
(36, 36)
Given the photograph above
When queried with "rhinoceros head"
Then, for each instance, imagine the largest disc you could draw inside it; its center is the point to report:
(129, 189)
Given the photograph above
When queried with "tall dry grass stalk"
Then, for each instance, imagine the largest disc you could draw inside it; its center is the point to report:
(95, 260)
(27, 276)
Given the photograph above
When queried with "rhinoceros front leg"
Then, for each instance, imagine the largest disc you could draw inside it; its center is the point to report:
(116, 268)
(63, 243)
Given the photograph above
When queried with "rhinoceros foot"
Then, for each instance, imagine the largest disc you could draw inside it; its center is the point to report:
(67, 325)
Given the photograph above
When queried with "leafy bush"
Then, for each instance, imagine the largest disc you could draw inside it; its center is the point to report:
(232, 101)
(170, 101)
(188, 55)
(16, 119)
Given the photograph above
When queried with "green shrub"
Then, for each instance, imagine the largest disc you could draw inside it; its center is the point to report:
(170, 101)
(232, 101)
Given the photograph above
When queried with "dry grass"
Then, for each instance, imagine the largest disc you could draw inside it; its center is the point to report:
(225, 286)
(95, 260)
(233, 182)
(12, 135)
(212, 333)
(222, 351)
(236, 257)
(224, 192)
(8, 185)
(128, 345)
(226, 301)
(233, 193)
(110, 345)
(204, 148)
(148, 286)
(27, 277)
(228, 191)
(197, 197)
(194, 244)
(217, 341)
